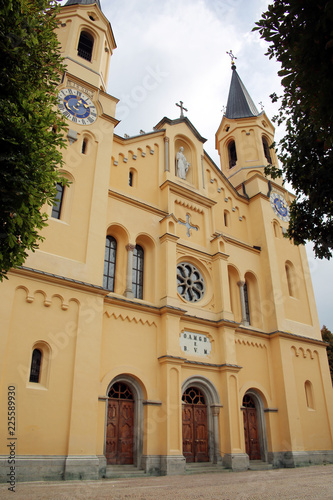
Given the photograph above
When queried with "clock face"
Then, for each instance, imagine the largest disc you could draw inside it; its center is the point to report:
(280, 206)
(77, 106)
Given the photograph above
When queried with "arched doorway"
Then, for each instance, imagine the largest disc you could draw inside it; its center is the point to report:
(120, 425)
(251, 428)
(195, 428)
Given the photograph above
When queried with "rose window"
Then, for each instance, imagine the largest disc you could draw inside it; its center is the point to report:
(190, 283)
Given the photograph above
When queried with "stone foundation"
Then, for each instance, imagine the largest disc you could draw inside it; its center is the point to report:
(236, 461)
(289, 459)
(58, 468)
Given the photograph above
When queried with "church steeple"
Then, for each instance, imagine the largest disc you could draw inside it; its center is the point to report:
(84, 2)
(87, 41)
(240, 104)
(244, 137)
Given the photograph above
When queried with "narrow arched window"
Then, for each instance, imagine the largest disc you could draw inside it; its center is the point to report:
(291, 279)
(36, 362)
(309, 395)
(232, 154)
(130, 179)
(226, 218)
(56, 208)
(267, 152)
(110, 263)
(84, 146)
(137, 280)
(85, 46)
(247, 307)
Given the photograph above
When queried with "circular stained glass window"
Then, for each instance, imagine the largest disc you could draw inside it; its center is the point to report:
(190, 283)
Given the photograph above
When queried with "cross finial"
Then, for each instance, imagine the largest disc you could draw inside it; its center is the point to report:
(262, 106)
(181, 109)
(232, 57)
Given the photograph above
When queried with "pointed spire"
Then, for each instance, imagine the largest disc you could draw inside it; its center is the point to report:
(240, 104)
(84, 2)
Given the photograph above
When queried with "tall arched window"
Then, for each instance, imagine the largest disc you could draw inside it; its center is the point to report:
(110, 263)
(56, 209)
(267, 152)
(247, 307)
(84, 146)
(130, 179)
(232, 154)
(137, 280)
(291, 278)
(85, 46)
(309, 395)
(226, 216)
(36, 362)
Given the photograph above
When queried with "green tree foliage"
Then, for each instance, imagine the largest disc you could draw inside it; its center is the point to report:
(31, 129)
(328, 337)
(300, 37)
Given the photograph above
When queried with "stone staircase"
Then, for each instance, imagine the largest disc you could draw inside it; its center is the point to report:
(116, 471)
(204, 468)
(260, 465)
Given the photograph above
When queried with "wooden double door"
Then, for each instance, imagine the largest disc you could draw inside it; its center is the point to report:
(252, 444)
(120, 426)
(195, 432)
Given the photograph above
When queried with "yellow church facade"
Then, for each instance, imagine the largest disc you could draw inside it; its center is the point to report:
(165, 320)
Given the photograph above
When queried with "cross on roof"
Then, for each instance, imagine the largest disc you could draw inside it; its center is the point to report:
(181, 109)
(232, 57)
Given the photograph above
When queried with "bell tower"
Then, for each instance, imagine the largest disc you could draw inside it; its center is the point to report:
(87, 41)
(244, 137)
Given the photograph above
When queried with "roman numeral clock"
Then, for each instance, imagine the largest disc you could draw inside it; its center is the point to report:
(280, 206)
(77, 106)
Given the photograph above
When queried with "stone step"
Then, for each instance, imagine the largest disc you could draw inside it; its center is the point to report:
(113, 471)
(260, 465)
(204, 468)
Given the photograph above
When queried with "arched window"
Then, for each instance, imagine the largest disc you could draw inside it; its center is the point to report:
(130, 179)
(232, 154)
(84, 146)
(226, 218)
(247, 307)
(309, 395)
(291, 279)
(110, 263)
(267, 152)
(85, 46)
(56, 209)
(36, 362)
(137, 280)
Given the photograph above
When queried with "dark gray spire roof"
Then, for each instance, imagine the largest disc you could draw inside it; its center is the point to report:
(84, 2)
(240, 104)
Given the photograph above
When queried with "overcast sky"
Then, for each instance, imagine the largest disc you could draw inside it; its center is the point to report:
(172, 50)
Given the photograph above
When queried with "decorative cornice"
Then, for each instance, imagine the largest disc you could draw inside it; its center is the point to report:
(190, 194)
(171, 359)
(59, 280)
(137, 203)
(135, 138)
(130, 319)
(293, 336)
(169, 237)
(236, 242)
